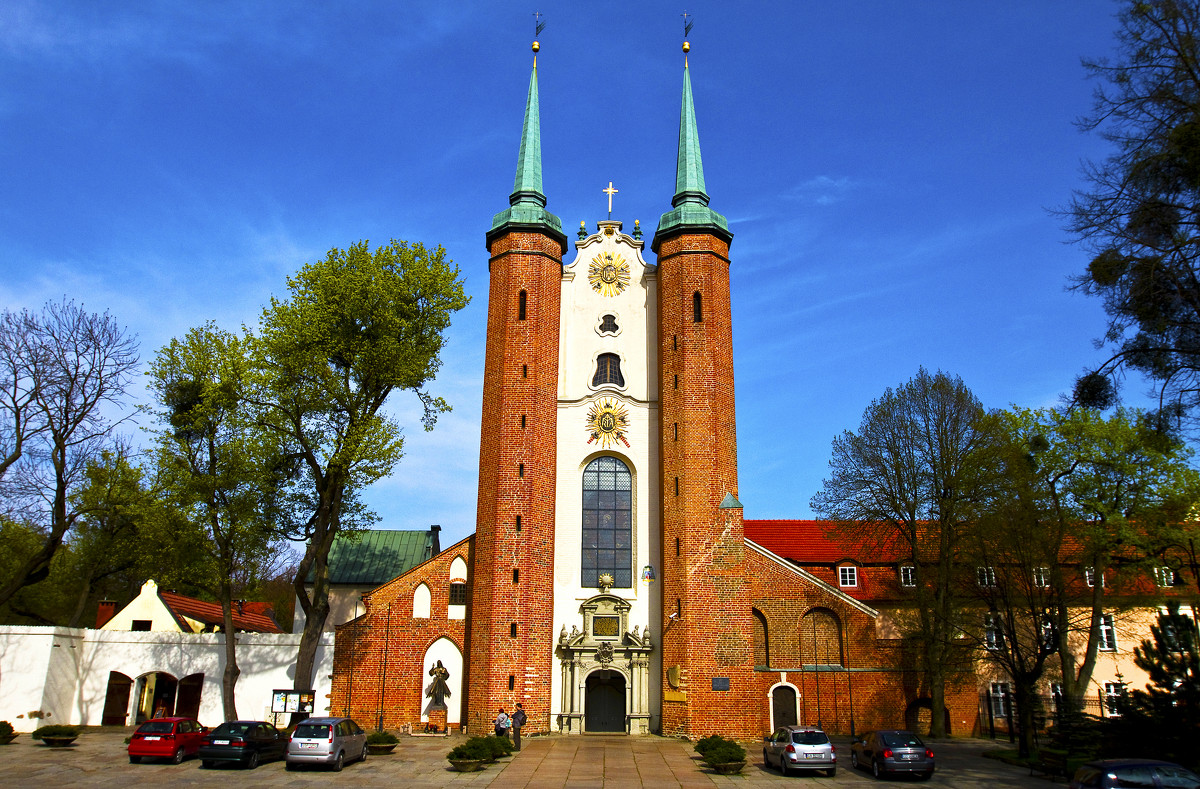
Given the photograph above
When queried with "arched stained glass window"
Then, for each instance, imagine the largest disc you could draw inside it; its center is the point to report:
(607, 523)
(608, 370)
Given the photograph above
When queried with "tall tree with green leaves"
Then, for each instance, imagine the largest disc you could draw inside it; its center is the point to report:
(1140, 212)
(914, 475)
(355, 327)
(225, 476)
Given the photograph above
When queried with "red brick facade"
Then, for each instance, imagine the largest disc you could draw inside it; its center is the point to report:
(378, 660)
(703, 579)
(517, 481)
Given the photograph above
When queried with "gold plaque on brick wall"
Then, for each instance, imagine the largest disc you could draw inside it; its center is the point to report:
(674, 695)
(606, 626)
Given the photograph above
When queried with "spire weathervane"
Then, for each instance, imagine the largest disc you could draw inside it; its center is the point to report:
(538, 27)
(687, 28)
(610, 191)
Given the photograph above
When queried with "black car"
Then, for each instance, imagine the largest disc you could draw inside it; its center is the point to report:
(244, 742)
(1148, 773)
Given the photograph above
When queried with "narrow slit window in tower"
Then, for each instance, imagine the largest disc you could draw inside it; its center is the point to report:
(697, 308)
(522, 421)
(521, 299)
(512, 630)
(516, 576)
(512, 681)
(520, 469)
(524, 371)
(518, 523)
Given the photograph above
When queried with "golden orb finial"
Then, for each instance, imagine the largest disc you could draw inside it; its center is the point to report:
(687, 47)
(536, 46)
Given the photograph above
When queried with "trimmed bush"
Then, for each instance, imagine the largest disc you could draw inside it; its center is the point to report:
(6, 729)
(55, 730)
(707, 742)
(382, 738)
(501, 746)
(472, 749)
(724, 752)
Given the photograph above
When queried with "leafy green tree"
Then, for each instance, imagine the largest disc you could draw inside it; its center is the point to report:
(914, 475)
(1140, 211)
(217, 469)
(356, 327)
(1099, 493)
(63, 370)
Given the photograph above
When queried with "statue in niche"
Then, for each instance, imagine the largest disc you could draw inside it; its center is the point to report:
(438, 689)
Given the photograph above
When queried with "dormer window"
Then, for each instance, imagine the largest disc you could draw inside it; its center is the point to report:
(848, 576)
(608, 370)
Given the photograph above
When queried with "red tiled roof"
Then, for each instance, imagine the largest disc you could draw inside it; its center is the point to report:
(822, 542)
(255, 617)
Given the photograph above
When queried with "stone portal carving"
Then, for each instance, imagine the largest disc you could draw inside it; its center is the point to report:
(605, 643)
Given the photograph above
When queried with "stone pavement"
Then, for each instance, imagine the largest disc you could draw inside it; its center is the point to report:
(98, 759)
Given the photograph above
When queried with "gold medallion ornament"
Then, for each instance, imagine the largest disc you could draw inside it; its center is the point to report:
(608, 274)
(607, 421)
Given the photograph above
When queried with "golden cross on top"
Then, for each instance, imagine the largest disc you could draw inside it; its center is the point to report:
(610, 192)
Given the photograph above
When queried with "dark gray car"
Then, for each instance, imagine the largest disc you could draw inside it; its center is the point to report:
(1148, 773)
(891, 752)
(800, 748)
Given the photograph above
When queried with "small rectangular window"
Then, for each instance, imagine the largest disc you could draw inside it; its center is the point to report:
(676, 381)
(1041, 577)
(522, 421)
(676, 431)
(458, 594)
(847, 576)
(518, 523)
(674, 342)
(993, 634)
(516, 576)
(520, 469)
(999, 698)
(1089, 575)
(1108, 633)
(141, 625)
(521, 297)
(1114, 692)
(1164, 577)
(985, 576)
(524, 371)
(512, 630)
(677, 486)
(512, 681)
(676, 546)
(908, 575)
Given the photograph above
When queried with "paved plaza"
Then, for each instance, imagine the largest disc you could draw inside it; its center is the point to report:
(98, 759)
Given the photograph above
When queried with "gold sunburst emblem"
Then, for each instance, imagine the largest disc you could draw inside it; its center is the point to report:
(608, 274)
(607, 421)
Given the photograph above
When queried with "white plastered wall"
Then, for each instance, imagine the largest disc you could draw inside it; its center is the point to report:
(636, 313)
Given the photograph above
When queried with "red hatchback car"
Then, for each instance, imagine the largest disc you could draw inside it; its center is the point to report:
(166, 738)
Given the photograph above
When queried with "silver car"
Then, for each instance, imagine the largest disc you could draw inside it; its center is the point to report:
(328, 741)
(890, 752)
(800, 748)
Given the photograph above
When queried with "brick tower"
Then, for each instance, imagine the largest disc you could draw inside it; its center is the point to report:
(707, 654)
(510, 628)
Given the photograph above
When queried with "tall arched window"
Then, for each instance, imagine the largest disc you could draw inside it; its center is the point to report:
(607, 523)
(821, 638)
(697, 308)
(608, 370)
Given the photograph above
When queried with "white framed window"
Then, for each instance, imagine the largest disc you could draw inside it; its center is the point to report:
(1108, 634)
(847, 576)
(1113, 693)
(1049, 635)
(985, 576)
(1089, 575)
(1041, 577)
(908, 575)
(993, 632)
(1164, 577)
(999, 699)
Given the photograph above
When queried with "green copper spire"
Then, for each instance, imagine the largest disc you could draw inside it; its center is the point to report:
(690, 200)
(527, 203)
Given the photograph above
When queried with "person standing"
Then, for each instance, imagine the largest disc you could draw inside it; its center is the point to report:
(518, 720)
(502, 724)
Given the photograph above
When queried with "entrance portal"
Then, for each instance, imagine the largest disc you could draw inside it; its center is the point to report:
(783, 706)
(604, 702)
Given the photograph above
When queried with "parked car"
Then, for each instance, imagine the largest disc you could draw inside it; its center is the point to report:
(800, 748)
(166, 738)
(329, 741)
(244, 742)
(890, 752)
(1107, 773)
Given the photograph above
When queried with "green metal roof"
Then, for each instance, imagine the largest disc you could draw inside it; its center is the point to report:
(527, 203)
(690, 200)
(375, 556)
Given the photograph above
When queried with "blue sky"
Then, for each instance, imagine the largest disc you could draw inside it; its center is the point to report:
(886, 168)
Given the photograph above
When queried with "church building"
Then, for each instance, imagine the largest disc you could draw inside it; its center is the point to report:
(609, 585)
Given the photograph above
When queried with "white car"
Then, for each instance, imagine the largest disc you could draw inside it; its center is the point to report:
(800, 748)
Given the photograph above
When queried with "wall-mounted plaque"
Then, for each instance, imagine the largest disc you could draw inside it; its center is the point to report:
(606, 626)
(720, 683)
